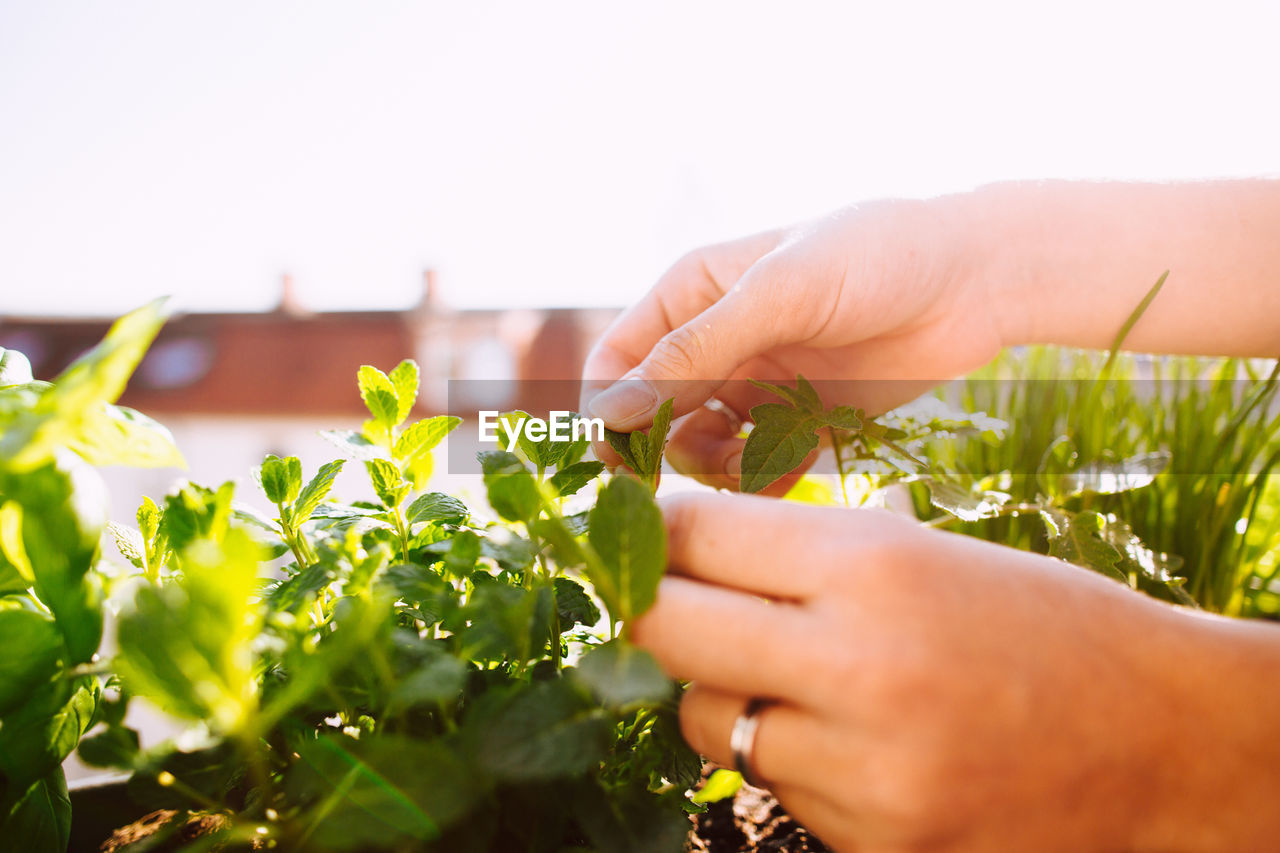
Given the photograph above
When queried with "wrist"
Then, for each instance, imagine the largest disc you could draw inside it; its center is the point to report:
(989, 267)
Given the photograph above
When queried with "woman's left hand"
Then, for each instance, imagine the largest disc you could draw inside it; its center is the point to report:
(936, 692)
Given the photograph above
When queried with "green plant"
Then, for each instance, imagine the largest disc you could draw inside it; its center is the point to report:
(414, 677)
(52, 513)
(1163, 481)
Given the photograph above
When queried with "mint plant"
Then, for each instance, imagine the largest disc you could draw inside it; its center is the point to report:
(52, 514)
(413, 677)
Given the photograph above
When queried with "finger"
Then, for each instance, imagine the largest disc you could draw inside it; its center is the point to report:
(733, 540)
(689, 287)
(706, 446)
(691, 361)
(726, 639)
(790, 744)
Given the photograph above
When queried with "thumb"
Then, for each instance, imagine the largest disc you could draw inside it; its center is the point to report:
(693, 360)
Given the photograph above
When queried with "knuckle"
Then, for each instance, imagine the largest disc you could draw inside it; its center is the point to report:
(680, 352)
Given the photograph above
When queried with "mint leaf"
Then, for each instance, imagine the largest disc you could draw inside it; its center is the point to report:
(422, 436)
(780, 440)
(435, 506)
(380, 397)
(356, 445)
(281, 478)
(314, 492)
(625, 529)
(388, 482)
(573, 604)
(622, 676)
(404, 379)
(513, 493)
(569, 480)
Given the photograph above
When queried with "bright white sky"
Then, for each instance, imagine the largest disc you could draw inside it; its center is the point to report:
(556, 153)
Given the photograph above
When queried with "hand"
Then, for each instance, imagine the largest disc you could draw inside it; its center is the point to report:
(882, 291)
(936, 692)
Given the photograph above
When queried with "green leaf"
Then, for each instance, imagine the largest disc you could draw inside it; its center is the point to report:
(129, 543)
(280, 478)
(379, 395)
(622, 676)
(422, 437)
(621, 444)
(188, 646)
(720, 785)
(1109, 478)
(843, 417)
(1077, 538)
(63, 515)
(543, 731)
(506, 623)
(15, 369)
(32, 652)
(436, 506)
(384, 793)
(573, 604)
(439, 678)
(114, 746)
(513, 493)
(355, 445)
(629, 819)
(315, 491)
(804, 396)
(781, 439)
(37, 735)
(41, 820)
(97, 377)
(404, 378)
(570, 479)
(965, 504)
(626, 531)
(115, 435)
(657, 436)
(388, 483)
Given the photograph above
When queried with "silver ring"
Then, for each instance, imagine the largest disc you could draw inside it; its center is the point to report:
(742, 740)
(714, 405)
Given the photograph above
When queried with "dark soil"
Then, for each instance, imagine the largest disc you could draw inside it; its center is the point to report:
(163, 831)
(752, 821)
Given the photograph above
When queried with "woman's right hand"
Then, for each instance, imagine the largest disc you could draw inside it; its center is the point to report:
(889, 291)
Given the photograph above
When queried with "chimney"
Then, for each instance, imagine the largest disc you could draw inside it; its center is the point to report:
(290, 304)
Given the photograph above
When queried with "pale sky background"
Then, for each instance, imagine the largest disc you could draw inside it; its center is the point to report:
(555, 153)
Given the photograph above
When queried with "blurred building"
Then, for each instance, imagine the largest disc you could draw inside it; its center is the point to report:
(233, 387)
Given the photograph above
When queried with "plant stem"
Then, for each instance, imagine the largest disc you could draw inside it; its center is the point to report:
(836, 445)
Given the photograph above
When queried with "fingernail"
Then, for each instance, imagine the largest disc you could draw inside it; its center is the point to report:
(623, 402)
(733, 465)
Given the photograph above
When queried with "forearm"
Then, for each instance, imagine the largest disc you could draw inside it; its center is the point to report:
(1065, 263)
(1217, 785)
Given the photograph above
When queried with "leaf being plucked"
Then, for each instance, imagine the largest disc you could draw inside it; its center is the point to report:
(804, 396)
(781, 439)
(642, 452)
